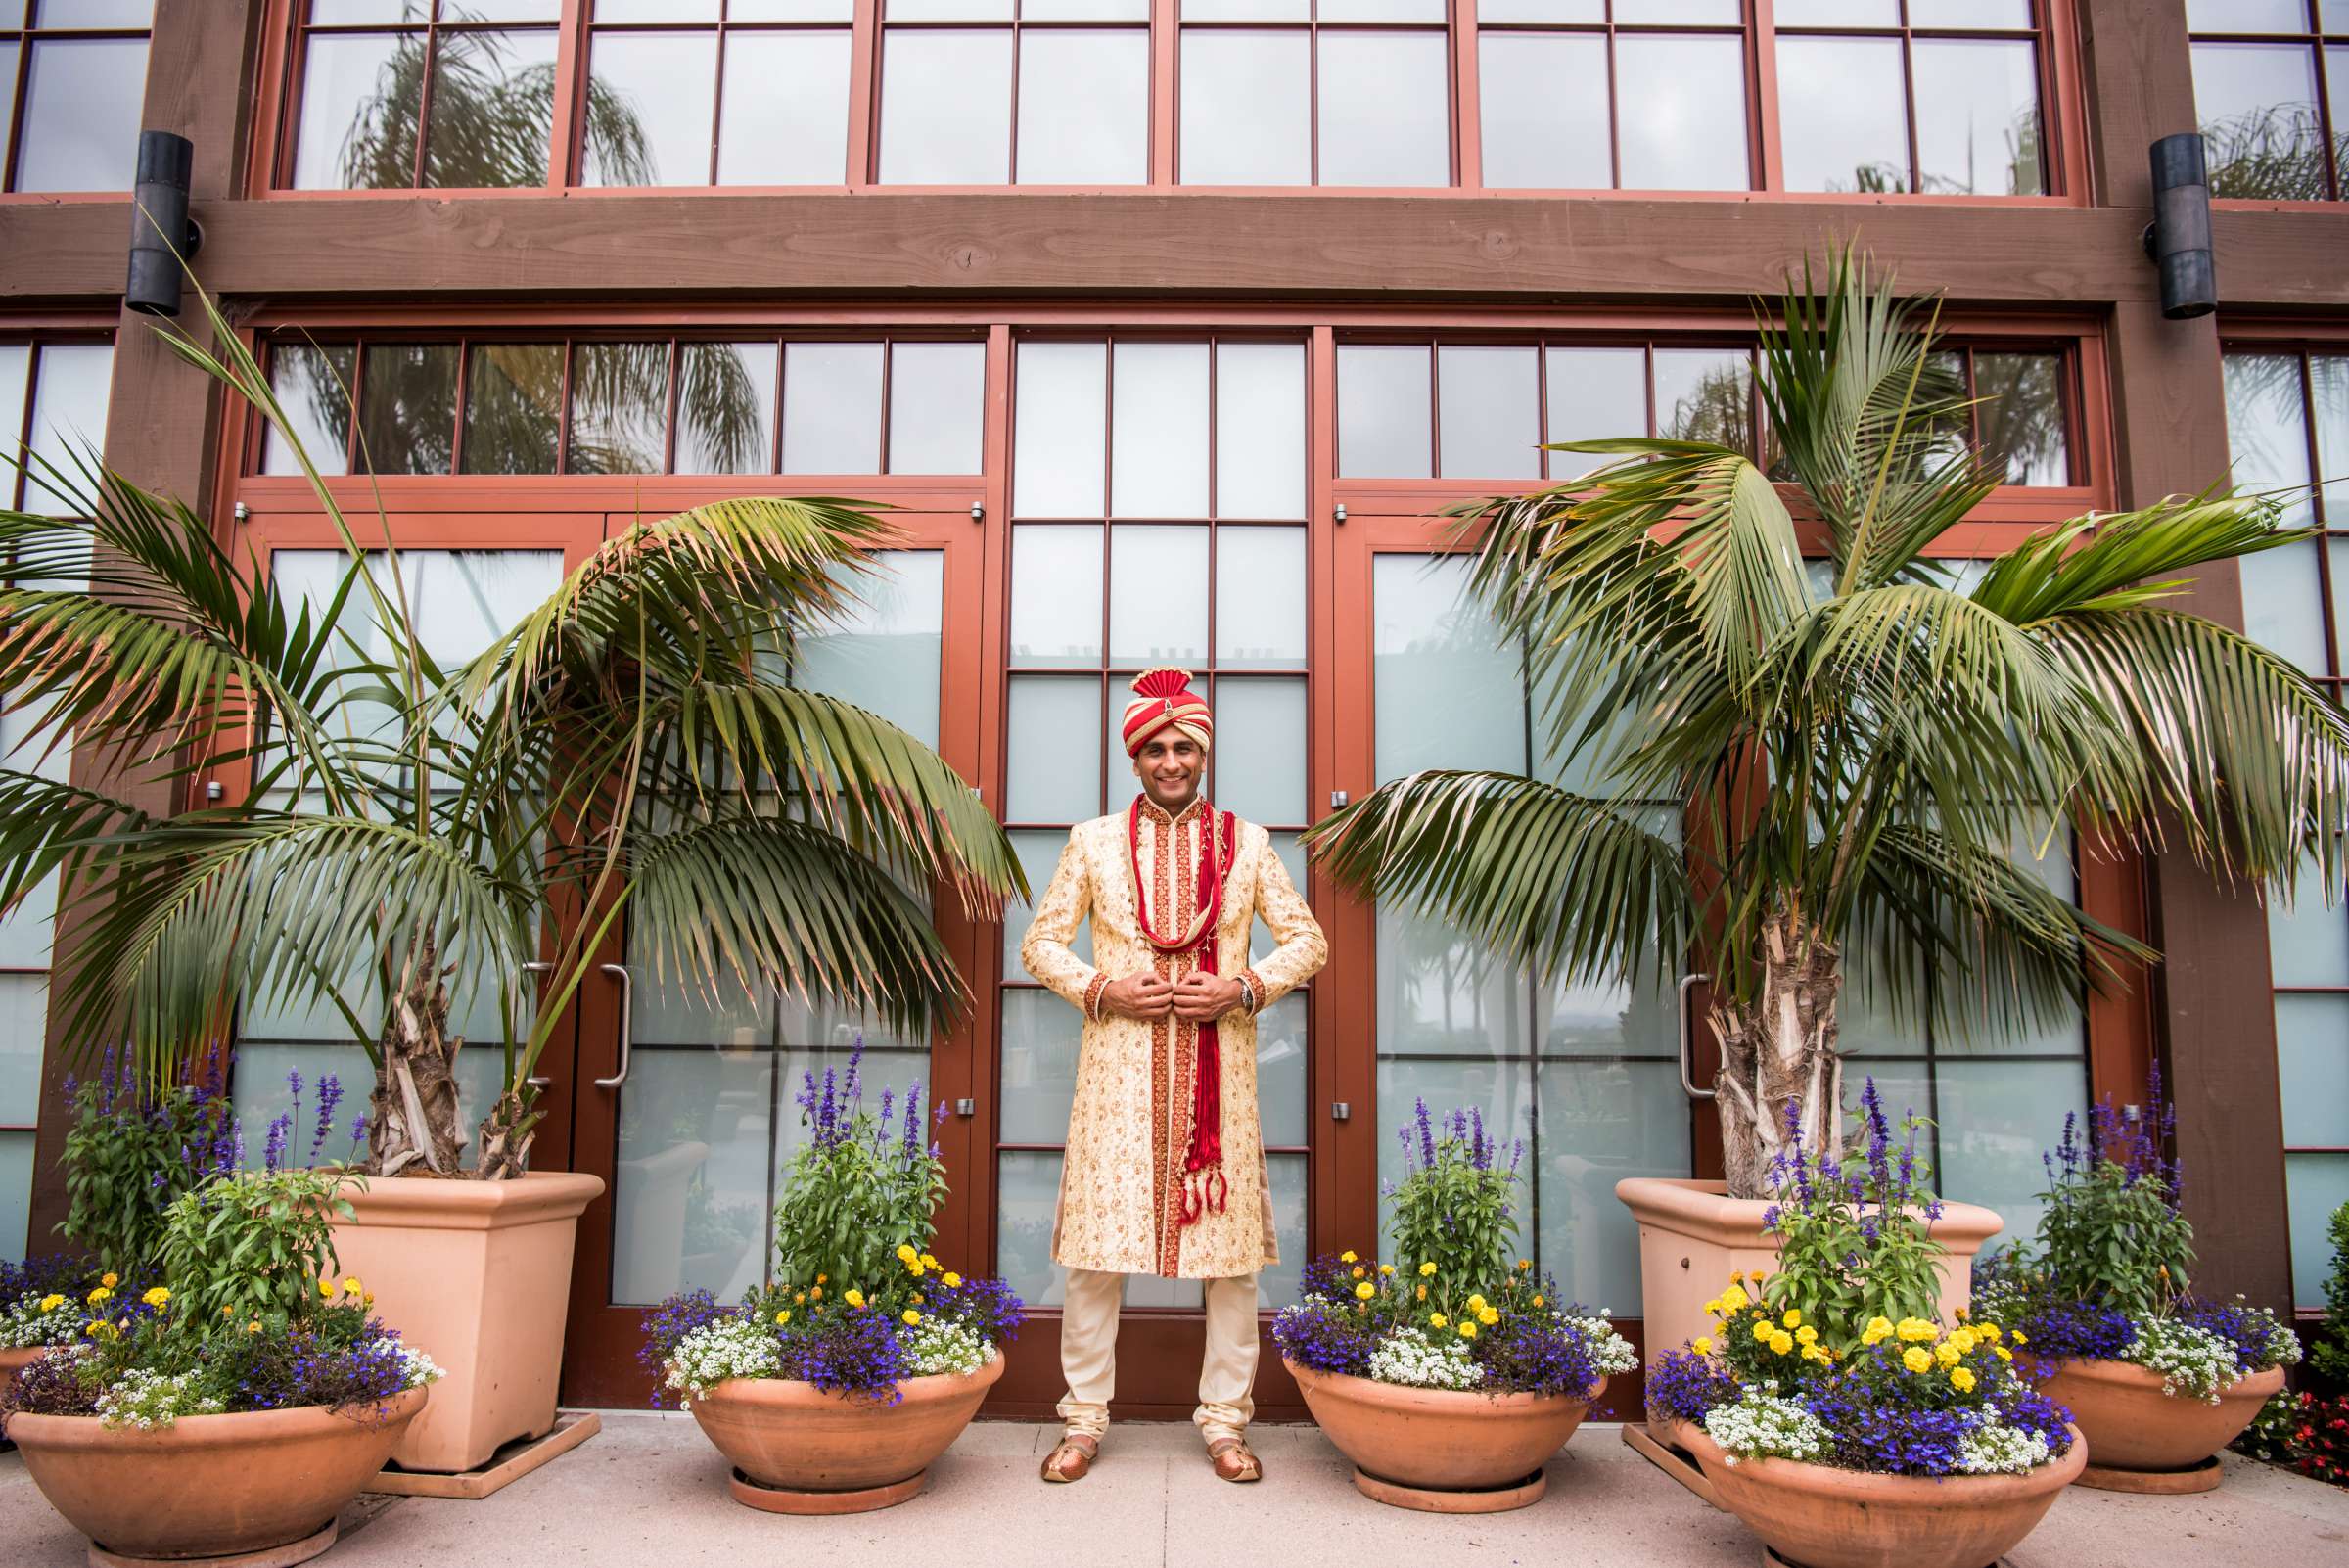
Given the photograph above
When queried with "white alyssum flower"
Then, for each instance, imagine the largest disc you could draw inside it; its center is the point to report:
(2192, 1361)
(422, 1368)
(1611, 1354)
(1408, 1360)
(1761, 1425)
(1996, 1448)
(731, 1347)
(935, 1348)
(23, 1325)
(144, 1400)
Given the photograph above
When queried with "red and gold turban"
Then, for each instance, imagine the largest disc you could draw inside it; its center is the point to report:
(1164, 700)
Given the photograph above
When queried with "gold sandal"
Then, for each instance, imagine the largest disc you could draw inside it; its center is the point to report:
(1079, 1450)
(1233, 1460)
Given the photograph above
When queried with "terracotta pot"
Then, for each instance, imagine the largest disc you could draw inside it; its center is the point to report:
(1438, 1439)
(1693, 1236)
(13, 1361)
(478, 1274)
(1822, 1517)
(208, 1486)
(2132, 1425)
(794, 1437)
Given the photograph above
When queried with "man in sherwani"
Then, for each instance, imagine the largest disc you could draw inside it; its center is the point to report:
(1165, 1171)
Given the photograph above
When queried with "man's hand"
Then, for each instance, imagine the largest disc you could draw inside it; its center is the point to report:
(1147, 996)
(1202, 999)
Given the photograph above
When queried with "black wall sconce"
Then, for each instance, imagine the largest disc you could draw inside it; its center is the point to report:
(162, 234)
(2177, 240)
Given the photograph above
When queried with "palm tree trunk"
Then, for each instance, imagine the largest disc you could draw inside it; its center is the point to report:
(1780, 1052)
(412, 1120)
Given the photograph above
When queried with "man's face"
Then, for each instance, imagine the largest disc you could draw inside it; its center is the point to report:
(1169, 765)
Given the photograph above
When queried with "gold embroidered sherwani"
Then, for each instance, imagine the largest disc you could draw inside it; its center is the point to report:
(1121, 1189)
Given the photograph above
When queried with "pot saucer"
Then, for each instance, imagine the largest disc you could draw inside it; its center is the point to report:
(788, 1499)
(2203, 1477)
(1432, 1500)
(283, 1556)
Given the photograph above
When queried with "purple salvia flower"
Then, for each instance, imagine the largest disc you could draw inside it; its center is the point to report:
(850, 1089)
(329, 1095)
(273, 1152)
(1427, 1133)
(888, 1106)
(940, 1117)
(358, 1129)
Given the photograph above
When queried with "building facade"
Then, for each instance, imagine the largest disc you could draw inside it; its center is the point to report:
(1166, 325)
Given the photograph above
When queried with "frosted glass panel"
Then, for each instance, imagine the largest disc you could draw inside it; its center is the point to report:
(1054, 749)
(890, 1070)
(2328, 374)
(1039, 857)
(15, 1192)
(1383, 411)
(1281, 1070)
(1276, 1284)
(937, 406)
(2312, 1058)
(946, 107)
(1489, 413)
(23, 1011)
(68, 410)
(1157, 434)
(1439, 995)
(1601, 1123)
(1501, 1090)
(1608, 1018)
(2284, 607)
(2315, 1185)
(884, 654)
(1027, 1197)
(1594, 394)
(2267, 426)
(832, 408)
(784, 118)
(1681, 120)
(1536, 136)
(1058, 429)
(1245, 116)
(1260, 749)
(1996, 1118)
(1084, 105)
(690, 1189)
(83, 98)
(1039, 1066)
(1447, 695)
(1385, 109)
(1259, 430)
(259, 1093)
(2308, 943)
(1056, 594)
(1157, 594)
(1260, 597)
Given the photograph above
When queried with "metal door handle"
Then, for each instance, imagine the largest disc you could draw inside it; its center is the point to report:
(540, 967)
(1681, 1021)
(628, 1023)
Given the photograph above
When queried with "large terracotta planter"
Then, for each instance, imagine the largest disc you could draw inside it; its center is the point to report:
(210, 1486)
(802, 1450)
(1693, 1236)
(1442, 1440)
(1822, 1517)
(479, 1273)
(2132, 1425)
(13, 1361)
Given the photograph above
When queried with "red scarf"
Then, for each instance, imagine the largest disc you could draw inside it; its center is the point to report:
(1204, 1186)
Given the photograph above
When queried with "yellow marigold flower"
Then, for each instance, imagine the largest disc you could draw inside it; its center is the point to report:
(1736, 1299)
(815, 1292)
(350, 1286)
(110, 1281)
(911, 1315)
(326, 1288)
(1917, 1359)
(1524, 1264)
(1781, 1343)
(1878, 1328)
(823, 1279)
(953, 1280)
(1965, 1340)
(800, 1297)
(1961, 1379)
(1810, 1353)
(1916, 1329)
(2019, 1337)
(914, 1269)
(1487, 1317)
(1358, 1270)
(1438, 1320)
(1426, 1268)
(1806, 1335)
(2004, 1354)
(1965, 1313)
(253, 1327)
(783, 1317)
(1762, 1333)
(1348, 1256)
(367, 1299)
(1713, 1307)
(854, 1297)
(1467, 1331)
(1420, 1293)
(1793, 1317)
(917, 1297)
(1476, 1300)
(1948, 1354)
(51, 1302)
(1702, 1344)
(98, 1295)
(1386, 1269)
(1365, 1290)
(1536, 1298)
(156, 1297)
(907, 1253)
(1987, 1332)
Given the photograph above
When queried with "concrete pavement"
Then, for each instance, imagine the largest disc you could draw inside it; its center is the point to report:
(648, 1492)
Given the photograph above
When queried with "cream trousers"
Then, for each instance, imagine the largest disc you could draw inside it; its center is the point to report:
(1089, 1354)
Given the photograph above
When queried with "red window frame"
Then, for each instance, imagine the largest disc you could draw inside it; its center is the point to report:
(2315, 38)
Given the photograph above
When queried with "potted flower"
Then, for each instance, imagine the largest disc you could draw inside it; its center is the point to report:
(1449, 1375)
(833, 1386)
(44, 1304)
(2159, 1379)
(1834, 1415)
(234, 1410)
(569, 760)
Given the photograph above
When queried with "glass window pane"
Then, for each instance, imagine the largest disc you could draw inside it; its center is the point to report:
(832, 408)
(2308, 943)
(949, 9)
(2315, 1185)
(23, 1011)
(1842, 114)
(1680, 12)
(945, 107)
(1084, 107)
(1838, 13)
(2267, 426)
(1384, 411)
(1536, 136)
(1977, 117)
(885, 653)
(1594, 11)
(2329, 376)
(1260, 597)
(513, 406)
(2247, 15)
(1157, 594)
(15, 1192)
(784, 114)
(2258, 108)
(493, 109)
(8, 51)
(1246, 10)
(1600, 1122)
(1422, 10)
(2020, 411)
(1260, 428)
(312, 384)
(1039, 857)
(69, 386)
(1158, 430)
(360, 96)
(1594, 394)
(1386, 111)
(360, 13)
(690, 1187)
(16, 370)
(1244, 109)
(407, 407)
(1446, 693)
(1277, 1284)
(1489, 412)
(1260, 749)
(1026, 1200)
(2284, 605)
(82, 100)
(1682, 113)
(1996, 1118)
(1084, 10)
(662, 84)
(2312, 1059)
(1056, 594)
(2009, 14)
(1039, 1064)
(619, 408)
(1705, 394)
(1059, 429)
(726, 408)
(1054, 746)
(2337, 553)
(937, 404)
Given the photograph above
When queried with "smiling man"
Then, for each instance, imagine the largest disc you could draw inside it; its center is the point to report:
(1164, 1171)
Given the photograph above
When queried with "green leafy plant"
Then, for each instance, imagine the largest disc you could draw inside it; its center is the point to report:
(859, 1188)
(129, 1155)
(2328, 1356)
(1853, 751)
(2110, 1230)
(1855, 1230)
(1453, 1208)
(257, 1247)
